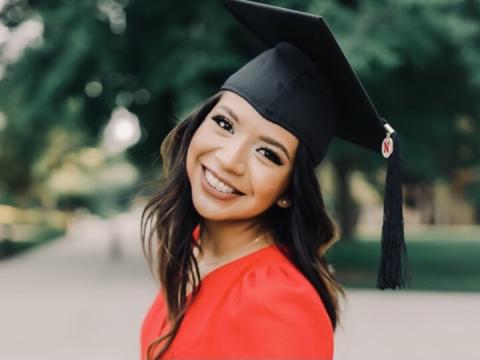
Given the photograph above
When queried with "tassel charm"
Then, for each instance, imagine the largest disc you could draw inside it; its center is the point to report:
(387, 143)
(392, 271)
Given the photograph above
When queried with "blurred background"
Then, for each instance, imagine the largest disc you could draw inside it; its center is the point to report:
(88, 90)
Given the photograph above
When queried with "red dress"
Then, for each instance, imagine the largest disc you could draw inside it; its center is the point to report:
(258, 306)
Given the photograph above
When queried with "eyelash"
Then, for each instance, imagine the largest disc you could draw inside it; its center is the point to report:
(222, 119)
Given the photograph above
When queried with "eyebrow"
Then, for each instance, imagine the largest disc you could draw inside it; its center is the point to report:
(267, 139)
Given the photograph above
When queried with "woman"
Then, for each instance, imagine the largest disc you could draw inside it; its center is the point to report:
(239, 225)
(280, 204)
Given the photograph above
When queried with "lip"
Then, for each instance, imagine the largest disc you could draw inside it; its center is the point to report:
(214, 192)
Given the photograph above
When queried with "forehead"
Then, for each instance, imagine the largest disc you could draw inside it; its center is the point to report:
(249, 117)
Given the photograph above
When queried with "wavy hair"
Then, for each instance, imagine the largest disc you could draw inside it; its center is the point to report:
(169, 218)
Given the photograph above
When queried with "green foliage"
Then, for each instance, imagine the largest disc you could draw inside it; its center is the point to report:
(434, 264)
(419, 60)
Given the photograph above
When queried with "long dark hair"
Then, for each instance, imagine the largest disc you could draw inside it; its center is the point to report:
(169, 218)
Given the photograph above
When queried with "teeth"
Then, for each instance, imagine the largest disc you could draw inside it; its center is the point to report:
(217, 184)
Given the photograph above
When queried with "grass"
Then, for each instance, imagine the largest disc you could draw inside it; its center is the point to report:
(9, 248)
(442, 264)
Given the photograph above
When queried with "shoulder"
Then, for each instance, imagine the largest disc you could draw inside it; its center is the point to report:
(282, 286)
(274, 302)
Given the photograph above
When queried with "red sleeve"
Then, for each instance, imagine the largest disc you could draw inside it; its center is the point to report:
(275, 313)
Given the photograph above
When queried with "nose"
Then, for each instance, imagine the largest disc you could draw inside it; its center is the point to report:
(233, 156)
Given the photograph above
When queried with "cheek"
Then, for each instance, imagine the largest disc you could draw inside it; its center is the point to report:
(268, 185)
(203, 135)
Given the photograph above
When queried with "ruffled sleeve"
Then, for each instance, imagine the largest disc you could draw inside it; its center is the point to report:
(274, 312)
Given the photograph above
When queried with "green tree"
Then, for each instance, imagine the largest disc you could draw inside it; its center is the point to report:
(419, 60)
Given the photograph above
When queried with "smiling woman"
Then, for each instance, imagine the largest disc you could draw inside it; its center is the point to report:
(254, 219)
(239, 224)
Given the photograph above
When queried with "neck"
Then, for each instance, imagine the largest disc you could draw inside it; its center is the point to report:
(224, 237)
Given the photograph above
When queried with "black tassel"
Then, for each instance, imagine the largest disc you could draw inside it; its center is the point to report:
(392, 271)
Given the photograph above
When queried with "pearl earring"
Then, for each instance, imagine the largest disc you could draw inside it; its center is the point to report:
(283, 203)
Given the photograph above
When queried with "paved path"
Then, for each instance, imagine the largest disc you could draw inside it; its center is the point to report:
(75, 299)
(71, 299)
(409, 325)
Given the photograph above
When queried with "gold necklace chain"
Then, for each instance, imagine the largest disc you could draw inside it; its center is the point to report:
(226, 256)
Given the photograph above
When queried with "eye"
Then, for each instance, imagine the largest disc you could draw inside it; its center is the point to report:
(272, 155)
(223, 123)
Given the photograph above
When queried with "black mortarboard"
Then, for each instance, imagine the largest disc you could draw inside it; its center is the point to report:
(301, 80)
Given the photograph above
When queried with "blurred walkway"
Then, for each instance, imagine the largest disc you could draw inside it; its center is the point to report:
(409, 325)
(78, 297)
(82, 298)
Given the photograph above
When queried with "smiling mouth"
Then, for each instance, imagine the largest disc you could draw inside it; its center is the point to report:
(217, 184)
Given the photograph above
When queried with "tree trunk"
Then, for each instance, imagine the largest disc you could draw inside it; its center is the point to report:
(346, 208)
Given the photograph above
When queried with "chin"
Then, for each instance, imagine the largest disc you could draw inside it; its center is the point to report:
(211, 211)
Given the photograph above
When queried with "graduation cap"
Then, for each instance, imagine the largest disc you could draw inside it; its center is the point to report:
(301, 80)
